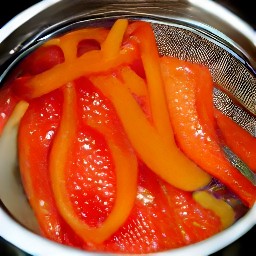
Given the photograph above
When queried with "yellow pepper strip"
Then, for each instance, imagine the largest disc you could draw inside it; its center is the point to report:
(220, 207)
(89, 63)
(150, 59)
(165, 159)
(126, 175)
(69, 42)
(137, 85)
(111, 46)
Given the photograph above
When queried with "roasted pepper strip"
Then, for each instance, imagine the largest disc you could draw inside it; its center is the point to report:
(137, 85)
(112, 45)
(164, 159)
(69, 42)
(124, 164)
(142, 32)
(8, 102)
(241, 142)
(89, 63)
(182, 83)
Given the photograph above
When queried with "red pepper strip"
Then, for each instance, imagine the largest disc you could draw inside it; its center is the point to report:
(241, 142)
(205, 92)
(163, 158)
(182, 83)
(36, 131)
(125, 164)
(69, 42)
(8, 102)
(143, 34)
(112, 45)
(89, 63)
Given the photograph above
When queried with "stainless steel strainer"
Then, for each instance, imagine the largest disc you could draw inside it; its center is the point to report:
(183, 29)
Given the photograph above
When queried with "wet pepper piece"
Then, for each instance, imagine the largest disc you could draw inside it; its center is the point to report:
(194, 135)
(36, 132)
(241, 142)
(163, 217)
(44, 58)
(8, 101)
(147, 142)
(125, 166)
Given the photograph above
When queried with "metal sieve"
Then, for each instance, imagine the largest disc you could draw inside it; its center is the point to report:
(186, 29)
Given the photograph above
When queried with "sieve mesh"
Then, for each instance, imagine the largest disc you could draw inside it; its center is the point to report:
(235, 91)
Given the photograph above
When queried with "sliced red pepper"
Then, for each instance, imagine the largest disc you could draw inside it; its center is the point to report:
(163, 218)
(240, 141)
(125, 165)
(146, 140)
(182, 80)
(8, 102)
(42, 59)
(37, 128)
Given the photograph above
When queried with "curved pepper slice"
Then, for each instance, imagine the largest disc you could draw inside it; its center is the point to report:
(91, 62)
(137, 85)
(36, 132)
(143, 34)
(112, 45)
(69, 42)
(182, 83)
(63, 73)
(125, 165)
(163, 158)
(241, 142)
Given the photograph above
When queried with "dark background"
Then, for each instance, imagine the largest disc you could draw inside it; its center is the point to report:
(245, 10)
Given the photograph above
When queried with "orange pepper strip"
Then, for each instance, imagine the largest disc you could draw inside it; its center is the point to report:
(163, 158)
(111, 46)
(69, 42)
(149, 53)
(137, 85)
(89, 63)
(126, 174)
